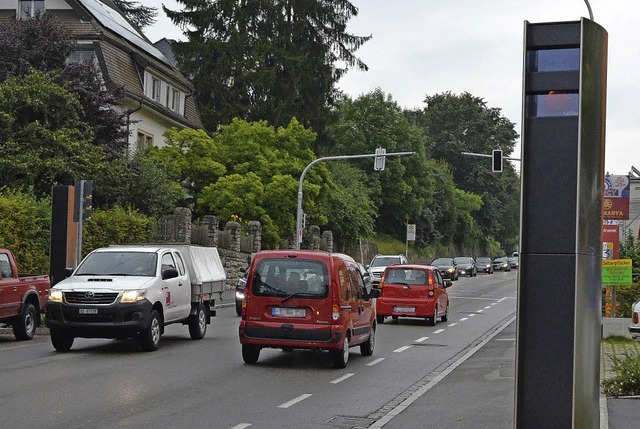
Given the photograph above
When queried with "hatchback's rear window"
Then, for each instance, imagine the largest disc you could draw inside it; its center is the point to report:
(409, 277)
(284, 277)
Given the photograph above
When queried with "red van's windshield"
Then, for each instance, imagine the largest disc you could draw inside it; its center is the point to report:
(284, 277)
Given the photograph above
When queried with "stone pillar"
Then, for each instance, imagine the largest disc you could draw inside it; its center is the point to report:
(234, 235)
(255, 232)
(327, 236)
(182, 217)
(212, 229)
(314, 240)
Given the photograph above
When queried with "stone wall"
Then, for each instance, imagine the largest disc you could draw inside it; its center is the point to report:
(236, 248)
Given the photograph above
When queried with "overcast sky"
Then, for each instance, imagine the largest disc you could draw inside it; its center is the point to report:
(426, 47)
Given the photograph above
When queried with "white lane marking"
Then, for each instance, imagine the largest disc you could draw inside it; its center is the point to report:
(438, 331)
(493, 303)
(437, 379)
(487, 307)
(401, 349)
(502, 299)
(375, 361)
(343, 378)
(472, 315)
(295, 400)
(241, 426)
(469, 297)
(505, 339)
(452, 324)
(463, 319)
(421, 339)
(479, 311)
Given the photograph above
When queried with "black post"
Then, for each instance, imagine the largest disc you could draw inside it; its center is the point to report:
(59, 233)
(559, 277)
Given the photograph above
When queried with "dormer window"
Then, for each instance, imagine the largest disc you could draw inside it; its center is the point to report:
(31, 8)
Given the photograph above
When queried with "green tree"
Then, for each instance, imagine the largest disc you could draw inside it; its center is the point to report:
(116, 225)
(464, 123)
(264, 59)
(25, 228)
(142, 16)
(43, 141)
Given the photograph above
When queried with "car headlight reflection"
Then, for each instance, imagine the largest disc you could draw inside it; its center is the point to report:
(133, 295)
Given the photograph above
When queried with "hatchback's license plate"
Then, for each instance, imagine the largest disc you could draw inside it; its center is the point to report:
(288, 312)
(404, 309)
(88, 311)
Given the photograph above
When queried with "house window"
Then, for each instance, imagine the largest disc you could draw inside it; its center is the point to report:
(29, 9)
(155, 89)
(145, 141)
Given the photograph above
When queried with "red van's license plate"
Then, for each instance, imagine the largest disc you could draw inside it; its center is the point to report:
(88, 311)
(288, 312)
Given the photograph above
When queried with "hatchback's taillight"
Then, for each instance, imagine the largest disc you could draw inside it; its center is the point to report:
(635, 317)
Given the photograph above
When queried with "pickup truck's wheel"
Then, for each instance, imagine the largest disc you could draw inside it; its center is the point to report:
(198, 324)
(24, 326)
(150, 337)
(61, 341)
(250, 353)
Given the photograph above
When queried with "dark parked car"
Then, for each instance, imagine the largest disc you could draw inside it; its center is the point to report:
(501, 264)
(513, 261)
(447, 267)
(484, 265)
(466, 265)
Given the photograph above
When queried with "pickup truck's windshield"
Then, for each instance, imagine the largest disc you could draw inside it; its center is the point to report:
(290, 278)
(119, 264)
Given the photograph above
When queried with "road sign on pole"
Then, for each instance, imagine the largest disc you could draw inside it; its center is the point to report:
(379, 161)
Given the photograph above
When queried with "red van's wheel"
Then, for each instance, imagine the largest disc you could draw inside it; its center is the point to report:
(250, 353)
(366, 348)
(341, 356)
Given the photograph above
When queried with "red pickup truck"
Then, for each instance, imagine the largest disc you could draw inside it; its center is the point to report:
(22, 297)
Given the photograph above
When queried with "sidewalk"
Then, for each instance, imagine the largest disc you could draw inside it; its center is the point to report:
(479, 393)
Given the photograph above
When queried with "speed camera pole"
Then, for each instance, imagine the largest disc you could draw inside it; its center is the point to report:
(559, 277)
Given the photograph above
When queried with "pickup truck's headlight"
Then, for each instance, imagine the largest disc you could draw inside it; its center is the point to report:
(55, 295)
(132, 295)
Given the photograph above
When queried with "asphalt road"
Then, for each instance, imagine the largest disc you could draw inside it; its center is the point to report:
(198, 384)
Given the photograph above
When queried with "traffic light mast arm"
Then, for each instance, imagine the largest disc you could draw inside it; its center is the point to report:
(329, 158)
(483, 155)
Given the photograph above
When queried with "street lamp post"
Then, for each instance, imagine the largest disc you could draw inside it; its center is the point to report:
(329, 158)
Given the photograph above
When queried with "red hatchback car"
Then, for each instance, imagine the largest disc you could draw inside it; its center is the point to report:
(413, 291)
(306, 300)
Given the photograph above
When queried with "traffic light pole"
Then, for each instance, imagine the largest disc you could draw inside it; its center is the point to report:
(330, 158)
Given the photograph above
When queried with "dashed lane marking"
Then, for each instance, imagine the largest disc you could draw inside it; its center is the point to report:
(375, 361)
(241, 426)
(421, 339)
(438, 331)
(343, 378)
(295, 400)
(452, 324)
(472, 315)
(463, 319)
(401, 349)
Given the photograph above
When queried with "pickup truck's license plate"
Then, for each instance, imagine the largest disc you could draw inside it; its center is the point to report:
(288, 312)
(88, 311)
(404, 309)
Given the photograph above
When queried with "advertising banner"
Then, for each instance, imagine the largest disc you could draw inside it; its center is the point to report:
(615, 204)
(617, 272)
(610, 241)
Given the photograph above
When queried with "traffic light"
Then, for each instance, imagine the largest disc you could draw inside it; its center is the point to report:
(497, 161)
(83, 200)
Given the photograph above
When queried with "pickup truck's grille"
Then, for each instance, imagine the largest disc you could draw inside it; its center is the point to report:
(90, 297)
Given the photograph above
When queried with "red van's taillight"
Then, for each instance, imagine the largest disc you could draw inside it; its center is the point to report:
(335, 302)
(243, 314)
(635, 317)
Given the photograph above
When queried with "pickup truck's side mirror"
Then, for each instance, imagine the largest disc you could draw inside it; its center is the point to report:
(68, 271)
(170, 273)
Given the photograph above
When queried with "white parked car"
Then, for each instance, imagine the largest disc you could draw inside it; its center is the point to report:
(634, 325)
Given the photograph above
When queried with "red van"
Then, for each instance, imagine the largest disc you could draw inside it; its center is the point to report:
(413, 291)
(298, 299)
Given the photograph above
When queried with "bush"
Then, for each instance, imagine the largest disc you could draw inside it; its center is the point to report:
(116, 225)
(25, 223)
(626, 382)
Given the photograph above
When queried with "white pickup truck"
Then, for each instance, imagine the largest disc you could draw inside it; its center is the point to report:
(134, 292)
